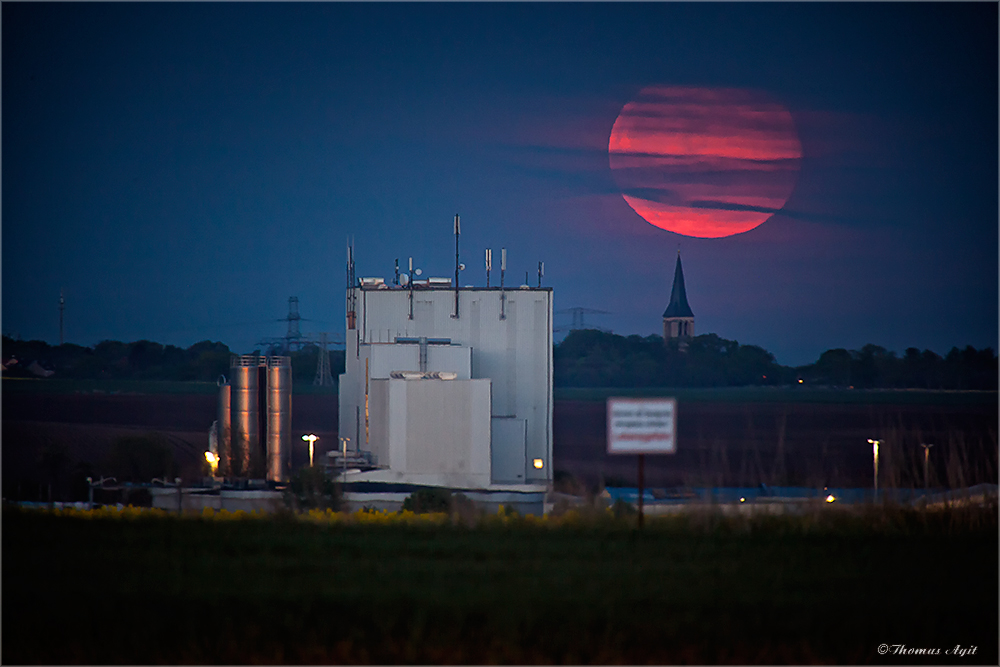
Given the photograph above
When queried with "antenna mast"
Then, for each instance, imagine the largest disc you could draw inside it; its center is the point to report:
(503, 295)
(351, 315)
(410, 285)
(489, 265)
(458, 231)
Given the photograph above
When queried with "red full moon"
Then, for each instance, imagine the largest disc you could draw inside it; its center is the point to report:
(704, 162)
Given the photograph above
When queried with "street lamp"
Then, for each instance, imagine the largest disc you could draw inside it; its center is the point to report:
(874, 444)
(310, 438)
(927, 454)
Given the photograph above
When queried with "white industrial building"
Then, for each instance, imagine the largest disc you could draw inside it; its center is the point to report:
(446, 387)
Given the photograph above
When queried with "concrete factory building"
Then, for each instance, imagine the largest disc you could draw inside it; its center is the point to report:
(449, 387)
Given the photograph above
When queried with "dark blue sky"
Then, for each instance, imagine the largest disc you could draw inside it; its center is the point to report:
(182, 169)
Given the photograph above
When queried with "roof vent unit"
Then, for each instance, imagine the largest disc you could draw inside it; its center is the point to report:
(439, 282)
(372, 282)
(406, 375)
(423, 375)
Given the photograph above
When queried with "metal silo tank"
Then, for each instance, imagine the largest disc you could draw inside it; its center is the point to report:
(279, 418)
(225, 428)
(245, 415)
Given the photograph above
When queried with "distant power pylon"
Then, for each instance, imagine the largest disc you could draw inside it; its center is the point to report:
(293, 339)
(578, 322)
(293, 336)
(62, 307)
(323, 376)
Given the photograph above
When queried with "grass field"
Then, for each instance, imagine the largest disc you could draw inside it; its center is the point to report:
(826, 589)
(794, 394)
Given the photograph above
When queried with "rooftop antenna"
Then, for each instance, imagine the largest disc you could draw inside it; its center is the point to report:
(541, 272)
(458, 231)
(351, 314)
(396, 279)
(489, 265)
(62, 307)
(503, 295)
(410, 283)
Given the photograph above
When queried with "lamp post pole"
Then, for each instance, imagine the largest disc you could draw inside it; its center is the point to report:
(343, 457)
(927, 454)
(875, 444)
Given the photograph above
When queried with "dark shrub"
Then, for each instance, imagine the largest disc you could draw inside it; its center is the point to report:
(429, 499)
(310, 488)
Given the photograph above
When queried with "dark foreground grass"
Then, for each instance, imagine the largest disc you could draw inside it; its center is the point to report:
(167, 590)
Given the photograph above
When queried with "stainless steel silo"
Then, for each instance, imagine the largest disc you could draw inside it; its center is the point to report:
(279, 418)
(245, 414)
(225, 429)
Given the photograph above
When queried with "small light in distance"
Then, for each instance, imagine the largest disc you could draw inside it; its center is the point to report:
(211, 458)
(743, 500)
(830, 498)
(801, 380)
(538, 463)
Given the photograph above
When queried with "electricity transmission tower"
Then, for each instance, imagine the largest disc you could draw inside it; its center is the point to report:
(578, 322)
(323, 376)
(294, 336)
(62, 307)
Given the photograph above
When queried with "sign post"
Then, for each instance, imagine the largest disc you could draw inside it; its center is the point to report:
(642, 426)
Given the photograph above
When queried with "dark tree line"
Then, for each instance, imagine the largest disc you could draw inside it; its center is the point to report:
(112, 359)
(141, 360)
(588, 358)
(875, 367)
(585, 358)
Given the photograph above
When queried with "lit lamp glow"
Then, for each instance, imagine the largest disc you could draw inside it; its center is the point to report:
(310, 438)
(538, 463)
(830, 498)
(213, 460)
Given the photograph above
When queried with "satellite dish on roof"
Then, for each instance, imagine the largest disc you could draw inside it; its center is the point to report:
(404, 279)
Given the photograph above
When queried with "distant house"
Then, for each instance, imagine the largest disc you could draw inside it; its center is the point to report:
(678, 320)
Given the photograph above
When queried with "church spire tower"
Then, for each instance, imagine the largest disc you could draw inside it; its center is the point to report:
(678, 320)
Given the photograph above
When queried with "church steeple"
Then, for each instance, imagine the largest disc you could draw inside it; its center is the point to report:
(678, 320)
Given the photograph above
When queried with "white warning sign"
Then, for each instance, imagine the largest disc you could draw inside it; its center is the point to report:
(642, 425)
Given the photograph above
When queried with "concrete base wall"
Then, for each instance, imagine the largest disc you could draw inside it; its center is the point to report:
(191, 499)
